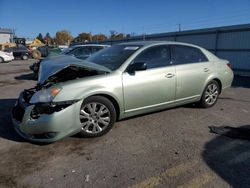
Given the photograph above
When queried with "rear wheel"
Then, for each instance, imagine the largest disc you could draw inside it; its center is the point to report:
(36, 54)
(210, 94)
(97, 116)
(25, 57)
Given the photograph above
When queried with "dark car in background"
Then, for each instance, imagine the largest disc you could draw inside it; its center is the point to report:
(19, 51)
(40, 52)
(78, 51)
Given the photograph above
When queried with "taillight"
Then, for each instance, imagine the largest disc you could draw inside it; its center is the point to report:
(229, 65)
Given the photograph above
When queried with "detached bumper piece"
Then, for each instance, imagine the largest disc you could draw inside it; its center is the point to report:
(39, 122)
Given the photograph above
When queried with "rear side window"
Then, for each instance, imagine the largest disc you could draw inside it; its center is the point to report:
(155, 57)
(186, 54)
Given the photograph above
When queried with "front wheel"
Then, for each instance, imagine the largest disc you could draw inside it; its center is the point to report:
(1, 60)
(97, 116)
(210, 94)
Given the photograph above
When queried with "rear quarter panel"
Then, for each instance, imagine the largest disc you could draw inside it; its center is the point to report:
(225, 73)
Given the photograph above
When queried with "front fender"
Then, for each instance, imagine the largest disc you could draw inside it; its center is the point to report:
(116, 95)
(82, 89)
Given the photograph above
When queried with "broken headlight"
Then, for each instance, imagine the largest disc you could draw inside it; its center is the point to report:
(44, 95)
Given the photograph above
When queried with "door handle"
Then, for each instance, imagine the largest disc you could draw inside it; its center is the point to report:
(206, 69)
(170, 75)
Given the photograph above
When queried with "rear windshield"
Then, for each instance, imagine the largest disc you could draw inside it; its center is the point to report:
(114, 56)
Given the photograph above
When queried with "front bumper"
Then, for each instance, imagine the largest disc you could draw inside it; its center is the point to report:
(47, 127)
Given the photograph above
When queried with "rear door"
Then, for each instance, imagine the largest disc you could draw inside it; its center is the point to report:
(192, 70)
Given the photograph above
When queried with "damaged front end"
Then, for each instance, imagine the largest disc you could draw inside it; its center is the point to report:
(37, 116)
(40, 107)
(65, 68)
(42, 121)
(70, 72)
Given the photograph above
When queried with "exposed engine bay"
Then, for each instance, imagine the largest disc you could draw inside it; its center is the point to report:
(69, 73)
(51, 72)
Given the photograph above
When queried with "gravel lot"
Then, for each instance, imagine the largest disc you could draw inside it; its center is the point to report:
(171, 148)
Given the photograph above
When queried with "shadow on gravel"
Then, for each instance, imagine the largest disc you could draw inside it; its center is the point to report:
(25, 159)
(228, 155)
(241, 81)
(29, 76)
(6, 129)
(233, 99)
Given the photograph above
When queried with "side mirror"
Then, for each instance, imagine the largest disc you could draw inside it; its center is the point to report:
(137, 66)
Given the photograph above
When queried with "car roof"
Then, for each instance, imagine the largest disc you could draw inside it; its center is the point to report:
(98, 45)
(148, 43)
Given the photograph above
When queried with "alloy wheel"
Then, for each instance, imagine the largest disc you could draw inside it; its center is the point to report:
(94, 117)
(211, 94)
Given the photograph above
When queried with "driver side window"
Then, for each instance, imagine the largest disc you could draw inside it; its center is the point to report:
(155, 57)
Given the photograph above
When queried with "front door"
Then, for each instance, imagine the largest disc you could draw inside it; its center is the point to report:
(152, 87)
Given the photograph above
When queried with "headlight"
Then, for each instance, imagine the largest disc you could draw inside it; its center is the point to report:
(44, 95)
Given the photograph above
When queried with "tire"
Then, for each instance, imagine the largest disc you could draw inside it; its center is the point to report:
(36, 54)
(1, 60)
(24, 57)
(97, 116)
(210, 94)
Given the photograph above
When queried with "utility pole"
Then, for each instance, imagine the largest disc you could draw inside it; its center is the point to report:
(179, 26)
(143, 35)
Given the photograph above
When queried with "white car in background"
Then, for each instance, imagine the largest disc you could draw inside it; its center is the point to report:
(6, 56)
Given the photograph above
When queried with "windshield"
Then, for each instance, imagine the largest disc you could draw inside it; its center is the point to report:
(114, 56)
(67, 50)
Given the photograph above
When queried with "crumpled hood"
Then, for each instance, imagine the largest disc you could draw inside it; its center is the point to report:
(54, 64)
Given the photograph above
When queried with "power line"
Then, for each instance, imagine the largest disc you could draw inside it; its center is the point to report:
(243, 17)
(212, 17)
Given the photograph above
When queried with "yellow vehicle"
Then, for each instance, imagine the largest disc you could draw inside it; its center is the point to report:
(17, 41)
(36, 54)
(35, 43)
(5, 45)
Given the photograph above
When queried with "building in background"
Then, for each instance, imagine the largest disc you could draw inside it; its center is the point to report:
(227, 42)
(6, 35)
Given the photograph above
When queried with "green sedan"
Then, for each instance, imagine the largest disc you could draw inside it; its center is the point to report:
(88, 97)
